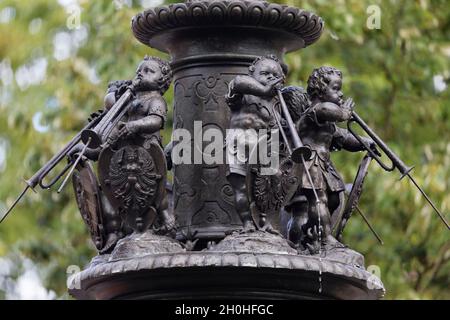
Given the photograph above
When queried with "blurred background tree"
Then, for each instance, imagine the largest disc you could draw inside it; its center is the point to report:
(57, 57)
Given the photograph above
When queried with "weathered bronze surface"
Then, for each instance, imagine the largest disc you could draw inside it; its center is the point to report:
(227, 62)
(234, 229)
(206, 55)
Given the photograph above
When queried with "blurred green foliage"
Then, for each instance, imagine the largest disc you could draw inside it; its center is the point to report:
(393, 73)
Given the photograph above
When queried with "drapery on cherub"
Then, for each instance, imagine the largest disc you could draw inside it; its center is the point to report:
(317, 115)
(251, 99)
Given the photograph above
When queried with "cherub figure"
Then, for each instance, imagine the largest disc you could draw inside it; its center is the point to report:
(148, 111)
(251, 99)
(145, 118)
(317, 115)
(137, 137)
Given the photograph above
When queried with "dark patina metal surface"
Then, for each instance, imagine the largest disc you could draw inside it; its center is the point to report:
(206, 54)
(213, 255)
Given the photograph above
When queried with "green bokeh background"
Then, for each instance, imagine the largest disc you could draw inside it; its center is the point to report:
(390, 73)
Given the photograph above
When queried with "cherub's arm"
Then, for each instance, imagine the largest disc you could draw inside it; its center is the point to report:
(248, 85)
(328, 111)
(115, 90)
(153, 122)
(148, 124)
(156, 117)
(343, 139)
(109, 100)
(91, 154)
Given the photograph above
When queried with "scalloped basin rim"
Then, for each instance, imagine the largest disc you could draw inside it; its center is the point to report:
(301, 23)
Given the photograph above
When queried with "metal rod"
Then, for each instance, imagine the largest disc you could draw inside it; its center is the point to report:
(280, 128)
(48, 167)
(15, 202)
(429, 201)
(369, 225)
(396, 161)
(74, 165)
(310, 181)
(295, 138)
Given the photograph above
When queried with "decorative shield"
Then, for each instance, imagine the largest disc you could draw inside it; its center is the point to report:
(133, 178)
(87, 195)
(270, 191)
(353, 197)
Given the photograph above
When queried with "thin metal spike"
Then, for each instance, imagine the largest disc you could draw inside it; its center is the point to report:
(74, 165)
(310, 180)
(369, 225)
(429, 201)
(14, 204)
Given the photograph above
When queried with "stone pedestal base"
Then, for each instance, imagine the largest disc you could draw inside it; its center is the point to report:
(233, 269)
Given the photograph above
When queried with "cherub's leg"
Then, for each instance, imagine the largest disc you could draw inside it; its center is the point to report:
(325, 218)
(242, 204)
(167, 221)
(334, 201)
(316, 209)
(112, 224)
(298, 220)
(166, 218)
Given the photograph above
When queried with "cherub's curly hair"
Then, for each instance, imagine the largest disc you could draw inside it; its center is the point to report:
(297, 101)
(319, 79)
(166, 71)
(251, 69)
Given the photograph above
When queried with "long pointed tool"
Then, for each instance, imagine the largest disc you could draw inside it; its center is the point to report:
(429, 201)
(15, 202)
(369, 225)
(74, 165)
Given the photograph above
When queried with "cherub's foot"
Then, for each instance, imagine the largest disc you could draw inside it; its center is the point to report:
(312, 240)
(189, 245)
(110, 243)
(303, 251)
(298, 246)
(249, 226)
(268, 228)
(314, 247)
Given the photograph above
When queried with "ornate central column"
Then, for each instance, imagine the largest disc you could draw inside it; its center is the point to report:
(210, 42)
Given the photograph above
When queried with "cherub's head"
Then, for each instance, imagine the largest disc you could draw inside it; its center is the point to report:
(325, 84)
(153, 73)
(266, 69)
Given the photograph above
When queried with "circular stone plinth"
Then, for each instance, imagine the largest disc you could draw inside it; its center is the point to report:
(213, 275)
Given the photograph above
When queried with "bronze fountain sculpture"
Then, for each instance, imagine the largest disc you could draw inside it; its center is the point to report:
(228, 228)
